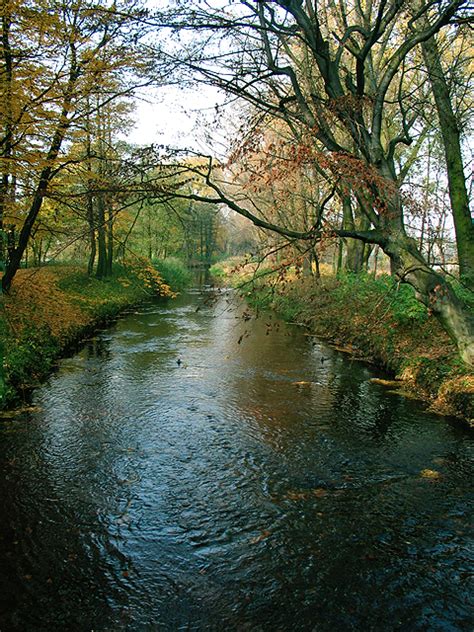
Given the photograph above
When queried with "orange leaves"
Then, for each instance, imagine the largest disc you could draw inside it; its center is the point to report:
(349, 104)
(289, 179)
(36, 300)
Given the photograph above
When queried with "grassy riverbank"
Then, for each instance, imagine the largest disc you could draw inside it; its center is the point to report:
(49, 310)
(373, 319)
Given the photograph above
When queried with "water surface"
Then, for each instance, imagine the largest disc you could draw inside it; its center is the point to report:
(262, 483)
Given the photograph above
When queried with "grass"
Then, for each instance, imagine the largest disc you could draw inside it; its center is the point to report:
(174, 273)
(376, 318)
(49, 309)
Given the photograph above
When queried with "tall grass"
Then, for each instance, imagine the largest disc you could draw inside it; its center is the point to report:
(174, 273)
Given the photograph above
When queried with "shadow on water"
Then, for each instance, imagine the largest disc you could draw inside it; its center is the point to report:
(192, 470)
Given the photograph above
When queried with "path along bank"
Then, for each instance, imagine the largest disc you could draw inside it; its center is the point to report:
(373, 319)
(51, 309)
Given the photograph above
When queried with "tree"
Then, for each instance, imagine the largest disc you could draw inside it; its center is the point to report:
(56, 54)
(451, 136)
(355, 58)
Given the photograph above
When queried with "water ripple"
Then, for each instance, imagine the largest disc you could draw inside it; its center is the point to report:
(248, 486)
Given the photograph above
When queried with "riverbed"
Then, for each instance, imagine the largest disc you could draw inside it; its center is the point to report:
(200, 467)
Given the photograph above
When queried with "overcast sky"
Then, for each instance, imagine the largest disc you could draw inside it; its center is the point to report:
(175, 117)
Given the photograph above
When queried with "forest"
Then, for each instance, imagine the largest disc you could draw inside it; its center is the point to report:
(340, 141)
(236, 363)
(343, 127)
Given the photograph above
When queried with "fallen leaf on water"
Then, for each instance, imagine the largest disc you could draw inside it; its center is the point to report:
(429, 473)
(295, 495)
(320, 492)
(261, 537)
(391, 383)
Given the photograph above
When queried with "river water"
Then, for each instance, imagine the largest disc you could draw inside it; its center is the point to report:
(262, 483)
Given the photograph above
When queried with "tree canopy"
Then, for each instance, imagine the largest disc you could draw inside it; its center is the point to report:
(343, 113)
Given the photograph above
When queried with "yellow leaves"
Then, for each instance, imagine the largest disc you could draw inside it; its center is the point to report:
(430, 474)
(36, 300)
(124, 282)
(148, 276)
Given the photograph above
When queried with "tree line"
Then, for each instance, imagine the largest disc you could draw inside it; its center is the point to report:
(349, 112)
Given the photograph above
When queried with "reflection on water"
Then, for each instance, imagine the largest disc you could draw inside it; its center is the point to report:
(261, 483)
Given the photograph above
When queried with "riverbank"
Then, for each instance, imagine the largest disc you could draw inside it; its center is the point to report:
(373, 319)
(50, 310)
(251, 487)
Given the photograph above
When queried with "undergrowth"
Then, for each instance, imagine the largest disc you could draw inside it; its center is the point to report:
(49, 309)
(379, 319)
(174, 273)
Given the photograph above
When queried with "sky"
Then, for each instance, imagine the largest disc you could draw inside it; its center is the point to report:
(175, 117)
(172, 115)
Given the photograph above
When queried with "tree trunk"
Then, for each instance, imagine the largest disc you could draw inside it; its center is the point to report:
(90, 195)
(110, 240)
(434, 291)
(101, 271)
(7, 141)
(92, 242)
(376, 260)
(355, 249)
(307, 265)
(337, 264)
(463, 224)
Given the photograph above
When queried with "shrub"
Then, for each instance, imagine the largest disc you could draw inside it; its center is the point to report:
(148, 275)
(217, 271)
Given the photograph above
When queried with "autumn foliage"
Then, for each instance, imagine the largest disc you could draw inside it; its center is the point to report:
(50, 309)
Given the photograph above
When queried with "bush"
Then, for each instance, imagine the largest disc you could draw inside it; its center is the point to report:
(464, 293)
(31, 358)
(399, 299)
(217, 271)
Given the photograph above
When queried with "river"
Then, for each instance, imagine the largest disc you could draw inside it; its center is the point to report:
(195, 468)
